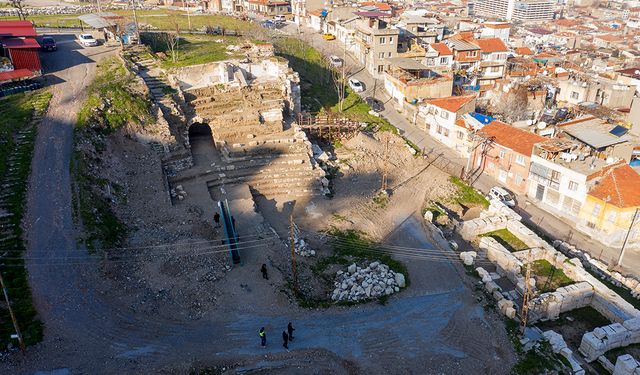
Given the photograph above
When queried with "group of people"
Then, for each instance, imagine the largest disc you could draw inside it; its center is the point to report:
(286, 336)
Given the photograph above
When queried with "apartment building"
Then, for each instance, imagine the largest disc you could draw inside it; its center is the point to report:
(493, 58)
(438, 57)
(269, 7)
(575, 89)
(375, 41)
(407, 80)
(439, 117)
(504, 153)
(500, 30)
(517, 10)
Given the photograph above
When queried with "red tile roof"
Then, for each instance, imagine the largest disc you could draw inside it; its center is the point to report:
(442, 49)
(518, 140)
(618, 186)
(524, 51)
(380, 6)
(504, 25)
(489, 45)
(451, 103)
(567, 23)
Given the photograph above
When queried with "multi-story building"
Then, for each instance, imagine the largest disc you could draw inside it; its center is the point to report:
(376, 40)
(439, 117)
(493, 58)
(517, 10)
(496, 30)
(575, 89)
(409, 81)
(438, 57)
(611, 211)
(504, 153)
(269, 7)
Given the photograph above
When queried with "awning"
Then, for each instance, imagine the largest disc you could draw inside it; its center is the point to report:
(99, 20)
(15, 74)
(16, 28)
(17, 43)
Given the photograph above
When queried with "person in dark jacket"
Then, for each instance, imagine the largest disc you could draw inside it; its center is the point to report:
(263, 338)
(290, 330)
(285, 340)
(263, 269)
(216, 219)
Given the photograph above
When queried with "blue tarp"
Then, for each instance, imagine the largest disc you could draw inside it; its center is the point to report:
(619, 131)
(483, 119)
(473, 88)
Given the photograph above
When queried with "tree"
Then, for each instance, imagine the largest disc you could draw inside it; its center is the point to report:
(512, 105)
(19, 5)
(172, 41)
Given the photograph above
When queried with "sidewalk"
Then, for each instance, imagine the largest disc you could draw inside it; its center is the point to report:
(554, 226)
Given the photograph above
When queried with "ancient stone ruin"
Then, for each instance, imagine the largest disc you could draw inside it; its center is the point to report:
(375, 280)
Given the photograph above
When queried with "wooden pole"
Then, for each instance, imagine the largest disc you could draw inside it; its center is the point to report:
(527, 294)
(293, 256)
(13, 317)
(385, 166)
(626, 237)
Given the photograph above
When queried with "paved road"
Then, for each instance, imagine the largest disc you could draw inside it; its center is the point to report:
(552, 224)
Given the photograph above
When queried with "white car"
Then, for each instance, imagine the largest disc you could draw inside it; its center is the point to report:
(356, 85)
(502, 195)
(87, 40)
(279, 18)
(335, 61)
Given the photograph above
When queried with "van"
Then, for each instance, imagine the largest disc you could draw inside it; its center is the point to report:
(501, 195)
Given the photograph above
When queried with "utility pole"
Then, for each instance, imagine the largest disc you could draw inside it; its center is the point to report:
(135, 19)
(293, 255)
(13, 317)
(626, 237)
(99, 7)
(385, 166)
(188, 13)
(342, 82)
(527, 294)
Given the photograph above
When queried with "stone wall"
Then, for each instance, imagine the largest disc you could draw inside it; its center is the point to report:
(626, 365)
(549, 306)
(603, 339)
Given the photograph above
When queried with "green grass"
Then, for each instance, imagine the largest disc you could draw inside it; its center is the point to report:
(540, 360)
(110, 105)
(613, 354)
(506, 239)
(355, 107)
(548, 278)
(467, 195)
(381, 199)
(193, 49)
(16, 120)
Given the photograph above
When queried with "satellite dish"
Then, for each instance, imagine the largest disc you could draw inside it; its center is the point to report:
(541, 125)
(636, 72)
(529, 122)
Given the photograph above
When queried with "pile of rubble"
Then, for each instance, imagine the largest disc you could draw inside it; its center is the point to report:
(178, 192)
(374, 281)
(302, 248)
(51, 10)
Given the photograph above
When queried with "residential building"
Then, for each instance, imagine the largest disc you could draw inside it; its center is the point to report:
(576, 89)
(496, 30)
(421, 30)
(493, 58)
(517, 10)
(19, 47)
(407, 80)
(438, 57)
(376, 40)
(439, 117)
(269, 7)
(611, 211)
(504, 153)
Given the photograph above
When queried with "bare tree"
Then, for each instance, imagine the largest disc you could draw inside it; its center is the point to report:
(19, 5)
(512, 105)
(172, 40)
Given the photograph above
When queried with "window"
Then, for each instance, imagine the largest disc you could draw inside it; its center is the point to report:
(390, 40)
(472, 53)
(611, 216)
(439, 129)
(520, 159)
(388, 54)
(460, 134)
(518, 180)
(444, 115)
(446, 132)
(382, 40)
(502, 154)
(381, 55)
(555, 175)
(494, 69)
(502, 176)
(595, 212)
(380, 68)
(575, 95)
(552, 197)
(443, 61)
(573, 186)
(570, 205)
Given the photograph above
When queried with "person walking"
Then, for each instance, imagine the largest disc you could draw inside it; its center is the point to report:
(290, 330)
(216, 219)
(263, 338)
(263, 269)
(285, 340)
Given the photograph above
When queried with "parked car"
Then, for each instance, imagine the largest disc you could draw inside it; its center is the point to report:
(375, 104)
(328, 36)
(279, 18)
(49, 44)
(356, 85)
(87, 40)
(335, 61)
(502, 195)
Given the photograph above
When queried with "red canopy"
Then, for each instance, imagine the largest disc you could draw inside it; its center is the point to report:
(16, 43)
(15, 74)
(16, 28)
